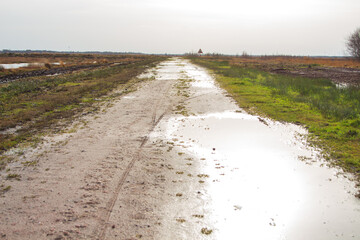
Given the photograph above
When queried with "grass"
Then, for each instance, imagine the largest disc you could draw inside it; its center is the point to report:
(39, 103)
(203, 175)
(206, 231)
(331, 114)
(299, 61)
(13, 176)
(4, 160)
(4, 189)
(180, 220)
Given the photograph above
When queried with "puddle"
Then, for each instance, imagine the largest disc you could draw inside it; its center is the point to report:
(260, 189)
(11, 130)
(342, 85)
(170, 70)
(14, 65)
(21, 65)
(128, 97)
(264, 182)
(201, 79)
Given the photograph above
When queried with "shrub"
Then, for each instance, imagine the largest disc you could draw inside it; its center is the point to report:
(48, 65)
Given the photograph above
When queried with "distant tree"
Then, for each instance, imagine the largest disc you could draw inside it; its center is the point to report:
(353, 44)
(245, 54)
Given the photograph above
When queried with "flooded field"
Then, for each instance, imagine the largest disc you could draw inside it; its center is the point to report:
(260, 178)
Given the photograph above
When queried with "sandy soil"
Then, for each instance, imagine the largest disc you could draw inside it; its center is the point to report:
(158, 164)
(104, 177)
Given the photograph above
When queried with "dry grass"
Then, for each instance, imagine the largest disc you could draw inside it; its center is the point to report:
(39, 61)
(326, 62)
(342, 62)
(66, 58)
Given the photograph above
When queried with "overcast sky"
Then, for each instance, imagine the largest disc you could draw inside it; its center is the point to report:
(295, 27)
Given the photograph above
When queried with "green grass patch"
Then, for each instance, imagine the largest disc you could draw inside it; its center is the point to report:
(13, 176)
(4, 189)
(331, 114)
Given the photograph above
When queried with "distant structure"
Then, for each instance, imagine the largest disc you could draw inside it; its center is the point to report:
(200, 52)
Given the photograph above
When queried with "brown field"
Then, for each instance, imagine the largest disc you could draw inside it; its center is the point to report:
(284, 60)
(59, 63)
(70, 58)
(339, 70)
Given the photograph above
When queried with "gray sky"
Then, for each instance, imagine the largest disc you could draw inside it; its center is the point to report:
(296, 27)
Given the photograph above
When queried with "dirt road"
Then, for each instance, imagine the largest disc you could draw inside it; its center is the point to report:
(177, 159)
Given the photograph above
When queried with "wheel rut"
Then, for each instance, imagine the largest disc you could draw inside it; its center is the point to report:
(159, 111)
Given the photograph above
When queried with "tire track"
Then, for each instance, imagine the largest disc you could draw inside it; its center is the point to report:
(100, 232)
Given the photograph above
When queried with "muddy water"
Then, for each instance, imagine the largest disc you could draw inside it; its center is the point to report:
(262, 180)
(21, 65)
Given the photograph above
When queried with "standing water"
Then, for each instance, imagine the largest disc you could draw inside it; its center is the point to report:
(21, 65)
(264, 181)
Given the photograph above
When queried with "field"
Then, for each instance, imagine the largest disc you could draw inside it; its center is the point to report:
(41, 64)
(286, 89)
(30, 105)
(339, 70)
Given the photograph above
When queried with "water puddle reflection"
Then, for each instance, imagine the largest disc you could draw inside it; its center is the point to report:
(21, 65)
(259, 189)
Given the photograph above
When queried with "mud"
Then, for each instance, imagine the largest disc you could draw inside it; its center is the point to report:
(177, 159)
(347, 76)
